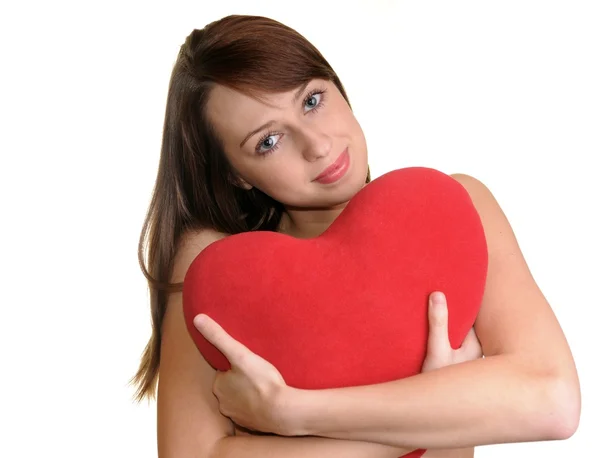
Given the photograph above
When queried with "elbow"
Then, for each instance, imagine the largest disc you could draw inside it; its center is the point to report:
(561, 410)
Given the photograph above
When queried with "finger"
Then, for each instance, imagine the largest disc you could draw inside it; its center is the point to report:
(233, 350)
(438, 341)
(471, 347)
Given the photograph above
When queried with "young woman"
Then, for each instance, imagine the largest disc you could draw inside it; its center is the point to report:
(255, 119)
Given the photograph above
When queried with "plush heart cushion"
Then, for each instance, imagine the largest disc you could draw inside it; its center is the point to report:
(348, 307)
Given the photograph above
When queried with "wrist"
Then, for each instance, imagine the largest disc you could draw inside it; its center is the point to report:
(293, 406)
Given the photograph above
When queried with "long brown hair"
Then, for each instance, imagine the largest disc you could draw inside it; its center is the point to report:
(195, 185)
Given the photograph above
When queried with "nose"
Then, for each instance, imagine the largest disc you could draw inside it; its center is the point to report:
(317, 144)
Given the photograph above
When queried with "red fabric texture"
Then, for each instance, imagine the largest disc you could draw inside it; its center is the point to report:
(348, 307)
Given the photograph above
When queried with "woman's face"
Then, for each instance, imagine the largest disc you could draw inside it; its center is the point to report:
(283, 145)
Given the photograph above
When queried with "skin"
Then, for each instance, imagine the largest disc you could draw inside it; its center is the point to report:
(516, 327)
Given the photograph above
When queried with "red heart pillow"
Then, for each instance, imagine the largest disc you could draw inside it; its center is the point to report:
(348, 307)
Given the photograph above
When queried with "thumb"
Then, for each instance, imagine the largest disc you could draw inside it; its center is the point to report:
(471, 347)
(438, 342)
(233, 350)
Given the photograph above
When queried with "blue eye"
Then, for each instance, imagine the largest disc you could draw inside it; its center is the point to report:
(267, 143)
(313, 100)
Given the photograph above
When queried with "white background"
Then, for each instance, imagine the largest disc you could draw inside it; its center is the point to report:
(505, 91)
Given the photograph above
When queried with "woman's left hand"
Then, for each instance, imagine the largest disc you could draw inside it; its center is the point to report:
(251, 391)
(439, 350)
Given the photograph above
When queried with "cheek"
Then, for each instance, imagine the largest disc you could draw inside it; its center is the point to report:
(277, 178)
(356, 129)
(346, 125)
(286, 184)
(358, 137)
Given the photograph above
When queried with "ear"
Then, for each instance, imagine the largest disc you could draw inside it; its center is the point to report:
(238, 181)
(244, 184)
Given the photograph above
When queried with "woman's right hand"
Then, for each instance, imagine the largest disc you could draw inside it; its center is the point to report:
(439, 351)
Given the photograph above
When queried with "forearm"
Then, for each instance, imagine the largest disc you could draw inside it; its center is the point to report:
(486, 401)
(303, 447)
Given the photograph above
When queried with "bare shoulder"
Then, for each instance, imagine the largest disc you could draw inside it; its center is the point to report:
(480, 194)
(498, 231)
(509, 283)
(190, 246)
(515, 316)
(189, 422)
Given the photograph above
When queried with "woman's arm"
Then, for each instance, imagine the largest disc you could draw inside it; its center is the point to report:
(247, 366)
(189, 421)
(525, 389)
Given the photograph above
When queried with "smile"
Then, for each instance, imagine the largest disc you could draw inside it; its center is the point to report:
(336, 170)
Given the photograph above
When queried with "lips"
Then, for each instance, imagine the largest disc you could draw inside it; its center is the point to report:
(331, 172)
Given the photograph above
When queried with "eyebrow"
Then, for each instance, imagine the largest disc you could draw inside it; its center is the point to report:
(269, 123)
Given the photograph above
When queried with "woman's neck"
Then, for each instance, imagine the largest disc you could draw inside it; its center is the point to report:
(308, 223)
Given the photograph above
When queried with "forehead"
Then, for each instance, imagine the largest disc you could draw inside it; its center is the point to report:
(230, 110)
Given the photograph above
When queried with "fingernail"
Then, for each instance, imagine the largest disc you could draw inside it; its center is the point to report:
(437, 299)
(199, 320)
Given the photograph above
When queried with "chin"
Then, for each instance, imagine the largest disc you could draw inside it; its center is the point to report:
(349, 189)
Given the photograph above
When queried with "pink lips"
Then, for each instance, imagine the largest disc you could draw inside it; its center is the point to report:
(336, 170)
